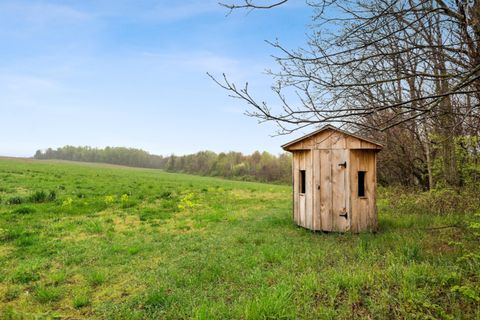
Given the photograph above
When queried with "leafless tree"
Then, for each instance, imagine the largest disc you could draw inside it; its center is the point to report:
(385, 63)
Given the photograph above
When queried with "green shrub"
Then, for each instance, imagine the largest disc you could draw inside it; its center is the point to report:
(15, 200)
(157, 299)
(52, 196)
(12, 293)
(67, 202)
(25, 240)
(58, 277)
(437, 201)
(109, 200)
(134, 250)
(126, 201)
(165, 195)
(25, 276)
(94, 227)
(467, 292)
(11, 234)
(411, 252)
(24, 210)
(38, 197)
(81, 301)
(47, 294)
(447, 201)
(96, 278)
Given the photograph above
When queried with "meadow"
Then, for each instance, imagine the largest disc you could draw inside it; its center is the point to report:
(108, 242)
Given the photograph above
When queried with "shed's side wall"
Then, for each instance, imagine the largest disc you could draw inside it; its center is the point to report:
(363, 210)
(308, 190)
(303, 204)
(296, 181)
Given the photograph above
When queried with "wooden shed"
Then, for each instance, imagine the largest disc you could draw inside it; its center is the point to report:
(334, 181)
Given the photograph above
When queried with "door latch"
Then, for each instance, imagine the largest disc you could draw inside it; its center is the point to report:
(345, 215)
(343, 164)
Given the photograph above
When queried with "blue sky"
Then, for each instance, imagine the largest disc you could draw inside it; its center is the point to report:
(133, 73)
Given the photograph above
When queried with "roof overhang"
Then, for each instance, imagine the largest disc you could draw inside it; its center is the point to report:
(329, 127)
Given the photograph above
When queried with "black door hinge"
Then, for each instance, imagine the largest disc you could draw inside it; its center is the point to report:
(343, 164)
(345, 215)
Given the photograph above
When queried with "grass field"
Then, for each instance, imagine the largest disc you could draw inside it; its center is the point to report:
(98, 241)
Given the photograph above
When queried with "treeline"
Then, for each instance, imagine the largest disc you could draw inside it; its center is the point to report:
(414, 157)
(259, 166)
(114, 155)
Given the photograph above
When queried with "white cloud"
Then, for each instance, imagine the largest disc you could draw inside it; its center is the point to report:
(155, 11)
(203, 61)
(40, 13)
(20, 83)
(18, 90)
(169, 11)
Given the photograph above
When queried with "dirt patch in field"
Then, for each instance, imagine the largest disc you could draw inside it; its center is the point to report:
(5, 250)
(78, 236)
(248, 194)
(22, 190)
(126, 222)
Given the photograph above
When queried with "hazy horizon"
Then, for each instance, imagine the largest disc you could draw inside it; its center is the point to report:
(133, 74)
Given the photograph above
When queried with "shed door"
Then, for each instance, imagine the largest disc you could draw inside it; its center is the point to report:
(334, 190)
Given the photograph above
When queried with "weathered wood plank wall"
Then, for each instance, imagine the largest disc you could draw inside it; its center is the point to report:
(331, 189)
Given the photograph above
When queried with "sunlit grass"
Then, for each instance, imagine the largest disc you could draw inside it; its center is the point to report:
(127, 243)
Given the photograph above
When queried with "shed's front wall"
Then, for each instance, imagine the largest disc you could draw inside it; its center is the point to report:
(327, 190)
(331, 190)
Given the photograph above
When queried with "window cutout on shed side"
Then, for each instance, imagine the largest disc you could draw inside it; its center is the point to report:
(302, 181)
(361, 183)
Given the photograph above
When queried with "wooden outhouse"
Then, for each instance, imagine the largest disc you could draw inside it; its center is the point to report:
(334, 181)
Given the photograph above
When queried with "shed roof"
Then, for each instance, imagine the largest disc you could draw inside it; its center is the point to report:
(330, 127)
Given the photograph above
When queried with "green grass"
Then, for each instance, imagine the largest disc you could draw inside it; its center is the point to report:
(81, 300)
(106, 242)
(47, 294)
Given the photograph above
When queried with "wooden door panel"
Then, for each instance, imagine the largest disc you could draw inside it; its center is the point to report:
(340, 183)
(317, 223)
(325, 191)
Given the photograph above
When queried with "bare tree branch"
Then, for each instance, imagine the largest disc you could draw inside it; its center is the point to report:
(251, 4)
